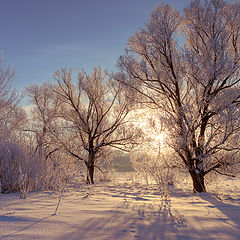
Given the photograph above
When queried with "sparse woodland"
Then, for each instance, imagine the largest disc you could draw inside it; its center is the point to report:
(182, 67)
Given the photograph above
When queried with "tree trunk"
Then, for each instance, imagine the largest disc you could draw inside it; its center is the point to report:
(90, 173)
(198, 181)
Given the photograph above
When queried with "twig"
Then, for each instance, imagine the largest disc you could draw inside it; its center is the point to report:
(60, 197)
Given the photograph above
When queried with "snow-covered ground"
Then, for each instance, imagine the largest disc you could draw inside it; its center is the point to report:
(124, 210)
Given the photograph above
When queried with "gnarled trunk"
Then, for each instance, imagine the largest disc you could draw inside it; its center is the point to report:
(198, 180)
(90, 174)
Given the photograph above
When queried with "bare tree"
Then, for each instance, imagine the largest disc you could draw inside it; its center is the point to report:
(188, 68)
(51, 160)
(93, 116)
(12, 117)
(44, 112)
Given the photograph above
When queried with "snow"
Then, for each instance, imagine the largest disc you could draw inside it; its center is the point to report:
(123, 209)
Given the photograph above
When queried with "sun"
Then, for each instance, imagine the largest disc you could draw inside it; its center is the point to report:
(152, 129)
(159, 142)
(156, 136)
(159, 138)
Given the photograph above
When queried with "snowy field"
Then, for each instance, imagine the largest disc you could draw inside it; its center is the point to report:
(124, 209)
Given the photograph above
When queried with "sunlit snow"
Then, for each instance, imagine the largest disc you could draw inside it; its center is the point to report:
(124, 209)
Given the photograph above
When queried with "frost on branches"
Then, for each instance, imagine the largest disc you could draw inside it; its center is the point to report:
(92, 118)
(12, 117)
(187, 66)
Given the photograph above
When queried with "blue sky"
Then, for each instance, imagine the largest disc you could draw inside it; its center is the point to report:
(40, 36)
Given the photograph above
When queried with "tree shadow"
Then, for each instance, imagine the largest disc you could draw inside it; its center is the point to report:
(16, 219)
(135, 218)
(229, 210)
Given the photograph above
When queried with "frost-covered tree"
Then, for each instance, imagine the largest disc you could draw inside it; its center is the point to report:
(44, 111)
(51, 160)
(187, 66)
(12, 117)
(93, 117)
